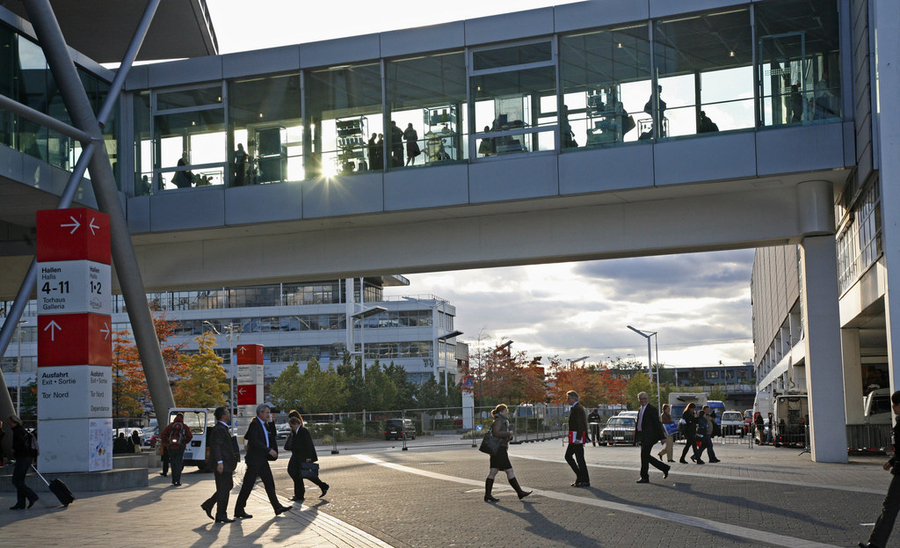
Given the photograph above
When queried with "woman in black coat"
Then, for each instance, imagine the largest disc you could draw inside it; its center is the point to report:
(300, 444)
(24, 457)
(690, 434)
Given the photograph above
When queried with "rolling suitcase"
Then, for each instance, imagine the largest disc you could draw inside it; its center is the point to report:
(58, 488)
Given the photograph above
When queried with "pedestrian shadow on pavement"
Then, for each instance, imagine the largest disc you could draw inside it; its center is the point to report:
(216, 533)
(539, 525)
(755, 505)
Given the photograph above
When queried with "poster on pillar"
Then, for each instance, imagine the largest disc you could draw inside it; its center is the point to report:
(250, 374)
(73, 235)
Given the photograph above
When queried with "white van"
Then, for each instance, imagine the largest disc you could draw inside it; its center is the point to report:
(200, 421)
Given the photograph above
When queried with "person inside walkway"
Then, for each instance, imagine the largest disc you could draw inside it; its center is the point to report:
(261, 448)
(24, 453)
(577, 436)
(594, 423)
(176, 436)
(222, 461)
(240, 166)
(647, 431)
(881, 532)
(705, 125)
(300, 444)
(500, 461)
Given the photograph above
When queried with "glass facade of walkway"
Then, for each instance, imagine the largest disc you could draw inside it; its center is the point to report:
(743, 68)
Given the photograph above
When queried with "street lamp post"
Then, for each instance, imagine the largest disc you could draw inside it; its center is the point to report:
(361, 316)
(19, 370)
(232, 338)
(650, 358)
(576, 360)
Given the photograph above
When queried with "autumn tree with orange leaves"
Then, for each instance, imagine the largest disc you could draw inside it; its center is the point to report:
(501, 376)
(595, 384)
(130, 391)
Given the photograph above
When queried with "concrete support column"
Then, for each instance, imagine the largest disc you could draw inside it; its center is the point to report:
(884, 15)
(853, 388)
(824, 372)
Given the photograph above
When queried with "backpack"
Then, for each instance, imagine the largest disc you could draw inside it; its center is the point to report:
(178, 436)
(31, 444)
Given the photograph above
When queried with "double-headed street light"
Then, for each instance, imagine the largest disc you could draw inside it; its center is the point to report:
(650, 359)
(232, 335)
(576, 360)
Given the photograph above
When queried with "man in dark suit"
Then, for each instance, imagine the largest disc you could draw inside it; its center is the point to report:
(891, 506)
(578, 426)
(261, 448)
(649, 430)
(222, 461)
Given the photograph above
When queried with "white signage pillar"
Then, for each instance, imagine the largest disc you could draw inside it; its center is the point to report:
(74, 380)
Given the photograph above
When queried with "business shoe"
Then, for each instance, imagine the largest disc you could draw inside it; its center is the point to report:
(224, 520)
(282, 509)
(297, 499)
(163, 474)
(17, 507)
(694, 458)
(176, 483)
(242, 515)
(698, 461)
(491, 498)
(866, 545)
(584, 484)
(682, 461)
(643, 480)
(324, 490)
(576, 484)
(208, 510)
(32, 501)
(714, 460)
(673, 460)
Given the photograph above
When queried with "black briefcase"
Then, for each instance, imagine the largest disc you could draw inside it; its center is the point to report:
(58, 488)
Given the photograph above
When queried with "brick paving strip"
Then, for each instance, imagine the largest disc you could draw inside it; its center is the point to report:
(690, 521)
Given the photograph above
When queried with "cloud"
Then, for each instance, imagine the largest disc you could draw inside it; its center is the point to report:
(699, 303)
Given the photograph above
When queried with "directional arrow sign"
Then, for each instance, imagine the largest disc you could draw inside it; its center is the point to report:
(52, 327)
(74, 339)
(59, 237)
(246, 394)
(74, 224)
(250, 354)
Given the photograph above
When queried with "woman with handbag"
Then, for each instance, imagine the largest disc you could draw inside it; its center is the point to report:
(500, 459)
(690, 434)
(666, 418)
(303, 457)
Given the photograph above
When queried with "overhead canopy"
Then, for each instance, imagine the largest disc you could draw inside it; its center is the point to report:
(101, 29)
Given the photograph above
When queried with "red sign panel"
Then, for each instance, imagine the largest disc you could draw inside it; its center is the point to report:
(74, 339)
(249, 354)
(72, 235)
(246, 394)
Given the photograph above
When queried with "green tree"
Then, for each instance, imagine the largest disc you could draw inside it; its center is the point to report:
(286, 390)
(406, 390)
(639, 383)
(431, 394)
(380, 391)
(203, 380)
(29, 401)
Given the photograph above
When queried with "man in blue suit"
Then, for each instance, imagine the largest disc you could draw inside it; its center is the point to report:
(261, 448)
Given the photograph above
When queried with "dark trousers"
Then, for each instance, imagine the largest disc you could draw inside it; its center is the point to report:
(294, 472)
(690, 442)
(575, 458)
(889, 509)
(18, 480)
(595, 433)
(647, 457)
(224, 484)
(165, 461)
(176, 457)
(262, 471)
(707, 444)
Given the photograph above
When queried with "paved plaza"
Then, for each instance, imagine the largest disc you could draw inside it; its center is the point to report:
(431, 497)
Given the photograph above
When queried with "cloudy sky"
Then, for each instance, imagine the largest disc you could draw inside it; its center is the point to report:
(699, 303)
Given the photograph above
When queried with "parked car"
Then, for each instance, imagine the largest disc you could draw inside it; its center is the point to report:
(282, 431)
(150, 436)
(619, 429)
(632, 414)
(399, 428)
(732, 423)
(748, 421)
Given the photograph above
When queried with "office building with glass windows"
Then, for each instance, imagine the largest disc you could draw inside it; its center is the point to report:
(586, 131)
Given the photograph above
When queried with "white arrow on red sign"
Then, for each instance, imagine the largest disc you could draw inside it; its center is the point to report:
(243, 349)
(105, 331)
(92, 226)
(75, 224)
(52, 326)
